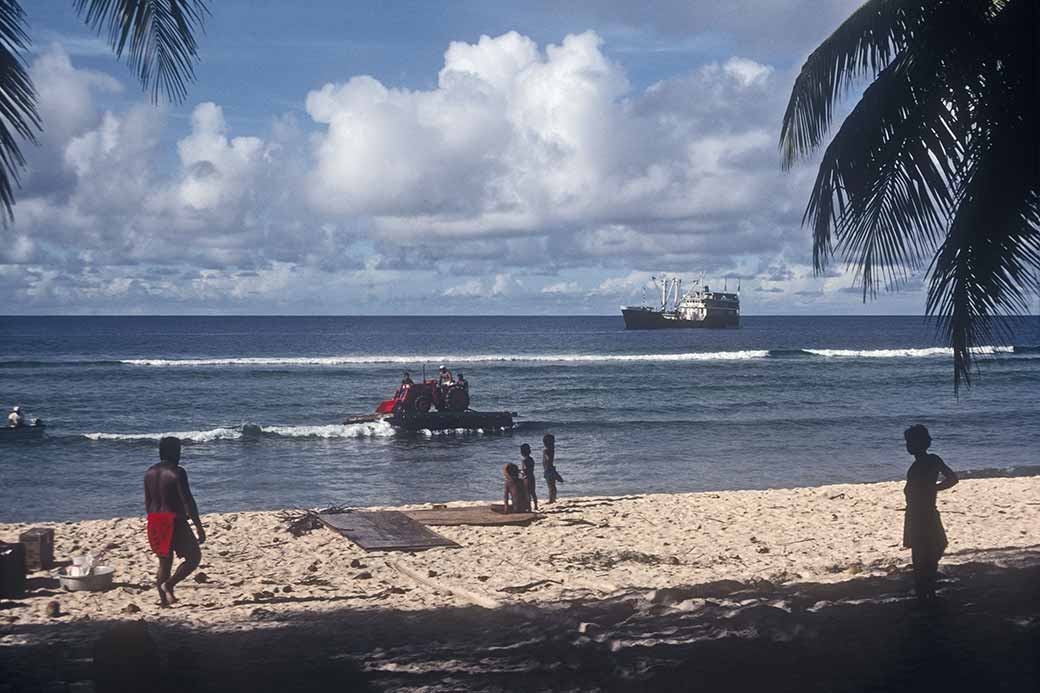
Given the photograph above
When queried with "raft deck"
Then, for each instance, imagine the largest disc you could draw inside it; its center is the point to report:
(441, 420)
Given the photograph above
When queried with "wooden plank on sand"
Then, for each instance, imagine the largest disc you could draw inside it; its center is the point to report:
(384, 530)
(481, 515)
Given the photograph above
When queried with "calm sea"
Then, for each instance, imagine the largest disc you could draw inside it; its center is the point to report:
(783, 401)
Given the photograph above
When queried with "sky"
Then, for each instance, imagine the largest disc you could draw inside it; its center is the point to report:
(426, 158)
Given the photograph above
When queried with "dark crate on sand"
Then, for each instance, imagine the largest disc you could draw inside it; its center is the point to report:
(39, 548)
(12, 570)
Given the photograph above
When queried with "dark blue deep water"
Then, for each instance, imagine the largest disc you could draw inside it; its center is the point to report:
(783, 401)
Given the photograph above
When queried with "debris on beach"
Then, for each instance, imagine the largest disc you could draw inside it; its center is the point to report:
(300, 521)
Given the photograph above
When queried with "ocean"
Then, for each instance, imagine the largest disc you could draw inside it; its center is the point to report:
(781, 402)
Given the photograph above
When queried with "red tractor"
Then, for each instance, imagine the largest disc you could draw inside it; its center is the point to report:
(417, 398)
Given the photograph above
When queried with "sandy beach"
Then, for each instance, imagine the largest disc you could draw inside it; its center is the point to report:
(257, 577)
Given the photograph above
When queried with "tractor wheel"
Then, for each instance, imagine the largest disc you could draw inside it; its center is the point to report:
(458, 399)
(422, 404)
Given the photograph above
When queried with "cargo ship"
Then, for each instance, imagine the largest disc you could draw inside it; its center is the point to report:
(699, 307)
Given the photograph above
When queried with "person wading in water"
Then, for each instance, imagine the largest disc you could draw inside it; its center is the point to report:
(169, 503)
(923, 531)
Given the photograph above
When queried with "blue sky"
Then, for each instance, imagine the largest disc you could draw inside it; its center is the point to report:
(415, 157)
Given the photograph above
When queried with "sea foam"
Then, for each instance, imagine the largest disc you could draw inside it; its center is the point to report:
(905, 353)
(185, 436)
(736, 355)
(454, 359)
(374, 429)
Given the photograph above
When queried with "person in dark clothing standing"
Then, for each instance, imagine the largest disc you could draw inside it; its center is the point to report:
(169, 504)
(923, 531)
(527, 474)
(549, 465)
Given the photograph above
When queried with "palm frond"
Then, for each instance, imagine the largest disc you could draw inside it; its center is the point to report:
(900, 201)
(156, 36)
(863, 45)
(988, 265)
(18, 115)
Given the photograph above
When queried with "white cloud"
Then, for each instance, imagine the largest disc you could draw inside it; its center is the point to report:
(469, 288)
(747, 72)
(561, 288)
(217, 171)
(502, 284)
(541, 160)
(516, 141)
(623, 285)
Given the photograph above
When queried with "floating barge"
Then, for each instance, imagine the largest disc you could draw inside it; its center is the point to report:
(439, 420)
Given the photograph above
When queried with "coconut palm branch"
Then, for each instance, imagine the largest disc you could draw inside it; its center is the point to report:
(157, 38)
(18, 116)
(939, 157)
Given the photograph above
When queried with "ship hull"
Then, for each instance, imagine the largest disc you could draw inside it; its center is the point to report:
(658, 320)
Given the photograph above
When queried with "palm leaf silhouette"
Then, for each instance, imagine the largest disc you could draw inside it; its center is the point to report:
(18, 116)
(155, 37)
(940, 156)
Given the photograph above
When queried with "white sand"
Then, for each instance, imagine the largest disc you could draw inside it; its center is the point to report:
(585, 546)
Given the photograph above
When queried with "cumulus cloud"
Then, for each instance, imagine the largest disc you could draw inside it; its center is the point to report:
(561, 288)
(502, 284)
(216, 171)
(545, 160)
(519, 141)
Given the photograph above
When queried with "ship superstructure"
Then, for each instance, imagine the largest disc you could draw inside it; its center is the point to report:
(697, 307)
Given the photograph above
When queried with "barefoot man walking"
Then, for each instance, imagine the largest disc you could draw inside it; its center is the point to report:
(169, 503)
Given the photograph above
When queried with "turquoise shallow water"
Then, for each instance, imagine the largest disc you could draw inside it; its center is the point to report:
(783, 401)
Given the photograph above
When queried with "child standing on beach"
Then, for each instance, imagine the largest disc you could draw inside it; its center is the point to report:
(515, 491)
(923, 531)
(527, 474)
(549, 465)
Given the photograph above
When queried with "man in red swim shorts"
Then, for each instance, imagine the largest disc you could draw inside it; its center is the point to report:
(169, 504)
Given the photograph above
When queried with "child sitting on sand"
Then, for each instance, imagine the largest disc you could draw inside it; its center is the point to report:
(923, 531)
(527, 474)
(515, 491)
(549, 465)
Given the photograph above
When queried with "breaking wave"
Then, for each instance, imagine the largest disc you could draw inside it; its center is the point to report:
(1027, 351)
(375, 429)
(739, 355)
(905, 353)
(185, 436)
(454, 359)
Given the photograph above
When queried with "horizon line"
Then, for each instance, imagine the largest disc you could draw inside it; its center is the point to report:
(468, 316)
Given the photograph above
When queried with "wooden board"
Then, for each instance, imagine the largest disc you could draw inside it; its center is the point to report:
(482, 515)
(385, 530)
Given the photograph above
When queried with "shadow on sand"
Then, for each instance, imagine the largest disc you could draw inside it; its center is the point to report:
(864, 634)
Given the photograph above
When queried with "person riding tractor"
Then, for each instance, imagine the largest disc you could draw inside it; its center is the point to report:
(445, 394)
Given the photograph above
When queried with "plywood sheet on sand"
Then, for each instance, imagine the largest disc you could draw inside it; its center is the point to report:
(385, 530)
(481, 515)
